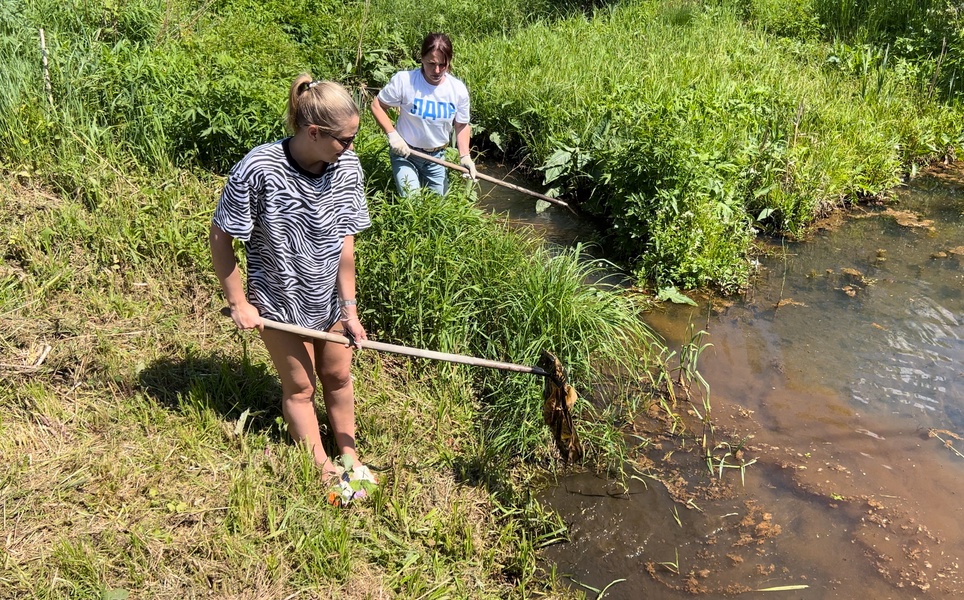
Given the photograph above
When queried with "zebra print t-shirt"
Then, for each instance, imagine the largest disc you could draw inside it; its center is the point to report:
(293, 224)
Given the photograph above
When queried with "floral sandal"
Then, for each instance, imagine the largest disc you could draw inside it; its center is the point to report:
(353, 483)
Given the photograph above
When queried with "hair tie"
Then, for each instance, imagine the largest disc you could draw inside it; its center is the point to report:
(307, 85)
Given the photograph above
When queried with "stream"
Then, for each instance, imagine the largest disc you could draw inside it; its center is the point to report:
(837, 382)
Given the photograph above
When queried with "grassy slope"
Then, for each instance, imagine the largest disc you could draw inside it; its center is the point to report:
(145, 452)
(123, 465)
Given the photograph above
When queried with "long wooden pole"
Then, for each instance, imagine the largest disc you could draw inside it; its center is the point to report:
(490, 179)
(43, 55)
(395, 349)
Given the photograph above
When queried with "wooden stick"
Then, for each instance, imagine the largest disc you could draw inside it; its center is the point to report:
(395, 349)
(490, 179)
(43, 55)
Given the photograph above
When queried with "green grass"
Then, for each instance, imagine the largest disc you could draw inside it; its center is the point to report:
(450, 278)
(146, 453)
(714, 130)
(711, 128)
(925, 36)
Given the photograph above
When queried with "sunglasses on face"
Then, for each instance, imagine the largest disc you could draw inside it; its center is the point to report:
(345, 142)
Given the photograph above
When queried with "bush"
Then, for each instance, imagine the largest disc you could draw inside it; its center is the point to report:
(438, 273)
(680, 128)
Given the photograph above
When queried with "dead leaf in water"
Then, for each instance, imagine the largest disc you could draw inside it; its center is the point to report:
(959, 251)
(869, 433)
(907, 219)
(789, 302)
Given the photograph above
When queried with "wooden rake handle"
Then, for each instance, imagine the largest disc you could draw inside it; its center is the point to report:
(396, 349)
(494, 180)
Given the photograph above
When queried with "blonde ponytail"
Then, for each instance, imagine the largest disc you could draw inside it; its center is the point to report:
(326, 104)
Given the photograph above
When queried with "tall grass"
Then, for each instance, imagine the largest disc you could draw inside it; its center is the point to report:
(925, 36)
(709, 131)
(880, 20)
(684, 130)
(448, 277)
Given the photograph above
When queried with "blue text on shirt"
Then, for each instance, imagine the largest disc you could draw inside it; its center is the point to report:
(430, 109)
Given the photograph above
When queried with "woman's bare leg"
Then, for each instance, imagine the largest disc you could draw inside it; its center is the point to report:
(334, 370)
(294, 359)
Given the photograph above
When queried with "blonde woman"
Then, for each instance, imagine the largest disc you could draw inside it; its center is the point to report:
(296, 204)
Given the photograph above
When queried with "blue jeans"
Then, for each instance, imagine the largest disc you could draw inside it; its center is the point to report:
(413, 173)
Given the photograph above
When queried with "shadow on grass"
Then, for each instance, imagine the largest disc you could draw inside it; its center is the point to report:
(214, 382)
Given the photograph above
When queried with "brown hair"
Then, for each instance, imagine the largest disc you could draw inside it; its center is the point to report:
(438, 42)
(326, 104)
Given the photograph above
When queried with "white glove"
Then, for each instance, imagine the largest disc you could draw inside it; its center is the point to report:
(466, 161)
(398, 145)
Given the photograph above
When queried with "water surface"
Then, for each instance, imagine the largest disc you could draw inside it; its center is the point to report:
(833, 374)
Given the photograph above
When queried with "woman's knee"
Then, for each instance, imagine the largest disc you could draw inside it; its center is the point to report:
(335, 377)
(299, 396)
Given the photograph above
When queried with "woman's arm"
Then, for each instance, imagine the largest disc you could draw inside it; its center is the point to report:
(463, 138)
(244, 314)
(395, 141)
(345, 284)
(380, 112)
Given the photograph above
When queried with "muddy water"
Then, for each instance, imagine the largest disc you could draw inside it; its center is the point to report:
(832, 376)
(555, 224)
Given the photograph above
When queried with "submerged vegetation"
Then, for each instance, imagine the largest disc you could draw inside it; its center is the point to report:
(142, 442)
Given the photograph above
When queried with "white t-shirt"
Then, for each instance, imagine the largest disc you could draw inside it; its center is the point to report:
(426, 112)
(293, 224)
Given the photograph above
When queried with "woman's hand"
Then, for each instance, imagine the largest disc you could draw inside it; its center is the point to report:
(356, 330)
(246, 316)
(469, 165)
(398, 145)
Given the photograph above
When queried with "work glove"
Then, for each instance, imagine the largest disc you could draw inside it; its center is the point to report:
(398, 145)
(466, 161)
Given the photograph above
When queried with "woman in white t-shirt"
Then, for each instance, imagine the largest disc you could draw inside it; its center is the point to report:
(431, 103)
(297, 204)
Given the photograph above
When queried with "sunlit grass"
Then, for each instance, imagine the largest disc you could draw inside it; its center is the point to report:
(160, 426)
(450, 278)
(140, 436)
(710, 129)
